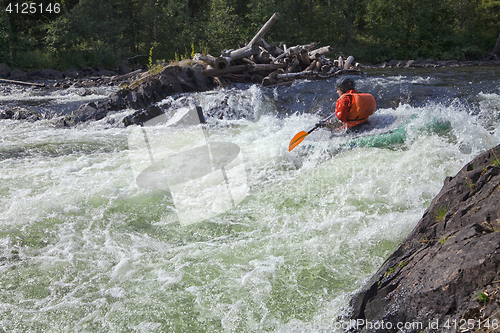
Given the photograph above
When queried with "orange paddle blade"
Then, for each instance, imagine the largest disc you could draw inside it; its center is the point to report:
(297, 139)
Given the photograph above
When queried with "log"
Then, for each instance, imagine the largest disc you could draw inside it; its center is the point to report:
(240, 77)
(262, 57)
(287, 52)
(243, 52)
(294, 75)
(341, 62)
(325, 68)
(304, 57)
(22, 83)
(265, 28)
(272, 49)
(321, 51)
(267, 67)
(228, 57)
(268, 81)
(311, 66)
(293, 67)
(246, 61)
(208, 59)
(310, 46)
(222, 62)
(348, 62)
(241, 68)
(125, 76)
(317, 68)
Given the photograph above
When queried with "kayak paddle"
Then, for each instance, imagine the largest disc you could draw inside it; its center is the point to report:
(299, 137)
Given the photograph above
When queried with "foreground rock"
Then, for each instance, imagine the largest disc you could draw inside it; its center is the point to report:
(445, 277)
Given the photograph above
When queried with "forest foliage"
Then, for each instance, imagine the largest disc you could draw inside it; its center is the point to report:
(104, 33)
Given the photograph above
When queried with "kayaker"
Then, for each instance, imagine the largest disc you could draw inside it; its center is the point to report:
(352, 108)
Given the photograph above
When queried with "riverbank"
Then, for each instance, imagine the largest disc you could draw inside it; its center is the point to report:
(445, 276)
(89, 73)
(85, 73)
(434, 63)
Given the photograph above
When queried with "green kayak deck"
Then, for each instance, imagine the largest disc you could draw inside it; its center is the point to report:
(393, 137)
(398, 135)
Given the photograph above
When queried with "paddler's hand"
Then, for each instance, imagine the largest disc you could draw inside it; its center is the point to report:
(321, 124)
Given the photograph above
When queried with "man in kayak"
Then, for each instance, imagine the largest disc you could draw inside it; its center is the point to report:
(352, 108)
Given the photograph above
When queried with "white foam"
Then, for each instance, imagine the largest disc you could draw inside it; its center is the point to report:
(312, 229)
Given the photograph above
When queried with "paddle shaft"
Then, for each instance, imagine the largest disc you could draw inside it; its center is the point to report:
(324, 120)
(299, 137)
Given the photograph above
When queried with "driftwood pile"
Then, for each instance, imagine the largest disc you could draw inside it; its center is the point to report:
(260, 62)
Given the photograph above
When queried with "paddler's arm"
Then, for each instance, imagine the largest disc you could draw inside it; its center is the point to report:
(343, 106)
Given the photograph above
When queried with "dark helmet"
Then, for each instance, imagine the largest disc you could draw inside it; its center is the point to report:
(345, 84)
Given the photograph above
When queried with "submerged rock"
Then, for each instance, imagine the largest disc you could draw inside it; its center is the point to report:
(20, 113)
(447, 272)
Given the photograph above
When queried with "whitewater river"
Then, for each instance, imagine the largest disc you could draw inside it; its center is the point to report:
(265, 240)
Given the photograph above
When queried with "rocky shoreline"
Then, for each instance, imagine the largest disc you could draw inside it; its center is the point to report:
(86, 73)
(445, 277)
(150, 87)
(141, 93)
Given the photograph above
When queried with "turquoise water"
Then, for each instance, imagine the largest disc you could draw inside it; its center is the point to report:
(83, 248)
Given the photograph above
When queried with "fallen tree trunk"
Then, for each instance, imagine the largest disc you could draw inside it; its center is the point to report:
(208, 59)
(294, 76)
(242, 68)
(304, 57)
(293, 66)
(320, 52)
(22, 83)
(261, 57)
(286, 53)
(125, 76)
(348, 62)
(272, 49)
(243, 52)
(265, 28)
(222, 62)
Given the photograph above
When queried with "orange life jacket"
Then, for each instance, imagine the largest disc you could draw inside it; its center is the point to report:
(363, 105)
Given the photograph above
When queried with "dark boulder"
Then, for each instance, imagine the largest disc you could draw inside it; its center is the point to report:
(51, 74)
(141, 116)
(18, 75)
(90, 111)
(447, 272)
(19, 113)
(6, 114)
(124, 69)
(4, 71)
(70, 74)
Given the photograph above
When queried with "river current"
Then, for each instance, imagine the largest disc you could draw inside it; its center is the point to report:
(265, 241)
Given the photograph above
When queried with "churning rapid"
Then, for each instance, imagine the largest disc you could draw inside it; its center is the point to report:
(266, 241)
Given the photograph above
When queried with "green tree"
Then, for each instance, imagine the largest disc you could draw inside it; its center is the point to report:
(224, 27)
